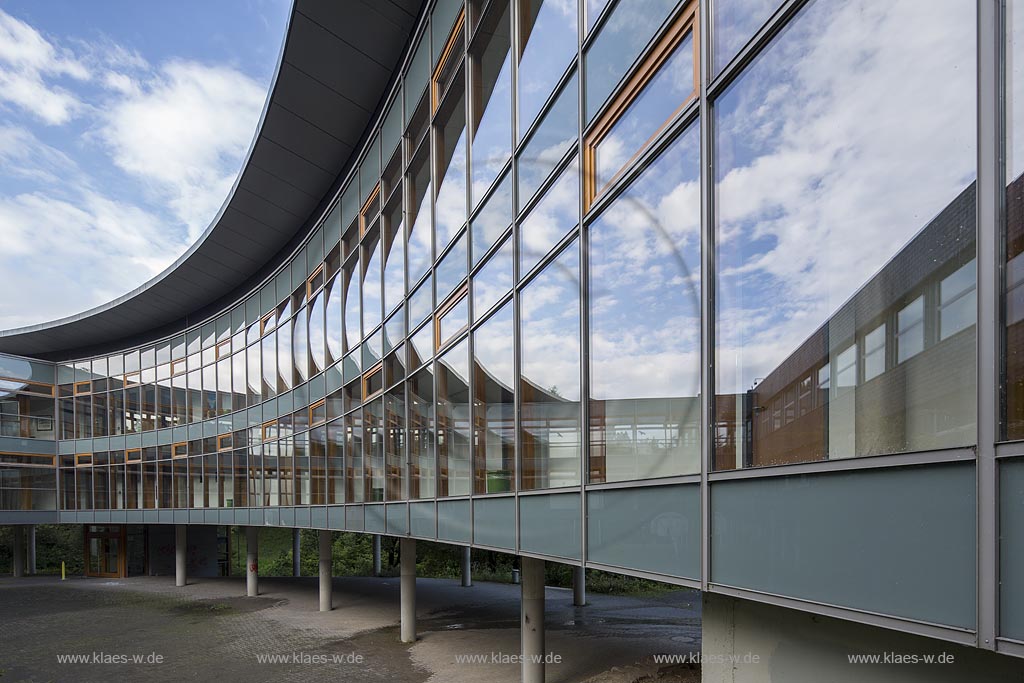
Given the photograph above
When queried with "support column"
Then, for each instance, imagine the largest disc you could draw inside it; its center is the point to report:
(376, 554)
(180, 554)
(324, 536)
(32, 549)
(296, 554)
(532, 621)
(579, 586)
(407, 551)
(252, 551)
(467, 568)
(18, 560)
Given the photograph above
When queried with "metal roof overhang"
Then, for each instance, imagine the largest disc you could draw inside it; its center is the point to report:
(337, 62)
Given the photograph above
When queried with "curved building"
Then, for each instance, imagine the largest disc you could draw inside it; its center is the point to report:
(721, 294)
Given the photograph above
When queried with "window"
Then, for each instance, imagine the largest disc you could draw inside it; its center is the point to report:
(269, 431)
(494, 404)
(664, 83)
(178, 367)
(550, 220)
(133, 455)
(451, 317)
(874, 353)
(83, 459)
(490, 98)
(446, 68)
(910, 330)
(547, 45)
(373, 381)
(369, 210)
(179, 450)
(957, 309)
(224, 349)
(83, 388)
(225, 442)
(846, 367)
(267, 322)
(315, 281)
(318, 412)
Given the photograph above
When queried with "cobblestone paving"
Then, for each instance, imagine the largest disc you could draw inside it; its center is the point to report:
(208, 630)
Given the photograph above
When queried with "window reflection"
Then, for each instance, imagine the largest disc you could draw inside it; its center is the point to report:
(734, 23)
(493, 218)
(394, 255)
(494, 404)
(555, 135)
(645, 323)
(453, 425)
(420, 239)
(550, 375)
(493, 280)
(1014, 313)
(450, 205)
(551, 219)
(818, 256)
(421, 434)
(491, 98)
(547, 44)
(629, 27)
(371, 280)
(353, 332)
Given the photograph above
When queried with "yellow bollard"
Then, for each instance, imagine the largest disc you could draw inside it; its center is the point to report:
(62, 574)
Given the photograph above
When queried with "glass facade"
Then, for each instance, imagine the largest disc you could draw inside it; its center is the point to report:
(598, 260)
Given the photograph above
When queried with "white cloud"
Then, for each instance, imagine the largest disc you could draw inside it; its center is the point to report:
(182, 132)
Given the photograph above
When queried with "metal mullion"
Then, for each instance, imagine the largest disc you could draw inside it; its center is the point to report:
(707, 351)
(517, 449)
(991, 190)
(674, 480)
(936, 457)
(584, 291)
(750, 51)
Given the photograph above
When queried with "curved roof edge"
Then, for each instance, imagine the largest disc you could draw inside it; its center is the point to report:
(335, 66)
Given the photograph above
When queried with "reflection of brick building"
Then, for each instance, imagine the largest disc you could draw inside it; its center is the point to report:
(1015, 309)
(885, 374)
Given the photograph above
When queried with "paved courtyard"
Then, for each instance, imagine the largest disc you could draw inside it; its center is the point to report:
(146, 629)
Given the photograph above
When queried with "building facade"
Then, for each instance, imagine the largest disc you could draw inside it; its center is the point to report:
(720, 293)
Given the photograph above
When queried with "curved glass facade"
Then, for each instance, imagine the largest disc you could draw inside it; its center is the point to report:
(602, 267)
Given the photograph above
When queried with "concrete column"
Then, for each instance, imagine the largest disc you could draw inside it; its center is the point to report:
(252, 551)
(296, 554)
(32, 549)
(376, 554)
(407, 551)
(467, 568)
(180, 554)
(579, 586)
(532, 621)
(324, 536)
(18, 560)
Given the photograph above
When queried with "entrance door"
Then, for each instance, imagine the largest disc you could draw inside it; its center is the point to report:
(105, 551)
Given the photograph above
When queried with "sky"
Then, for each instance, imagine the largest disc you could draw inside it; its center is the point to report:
(123, 126)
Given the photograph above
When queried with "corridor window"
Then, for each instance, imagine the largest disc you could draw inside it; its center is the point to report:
(910, 330)
(661, 86)
(957, 309)
(874, 353)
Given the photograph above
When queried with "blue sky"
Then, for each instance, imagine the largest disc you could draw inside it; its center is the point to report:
(122, 128)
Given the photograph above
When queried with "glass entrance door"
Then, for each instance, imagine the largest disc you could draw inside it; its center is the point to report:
(105, 551)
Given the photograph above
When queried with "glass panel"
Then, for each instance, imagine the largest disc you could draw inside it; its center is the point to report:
(371, 281)
(394, 255)
(354, 480)
(491, 98)
(421, 434)
(550, 220)
(493, 280)
(284, 356)
(451, 270)
(555, 136)
(734, 22)
(421, 303)
(450, 136)
(300, 348)
(494, 403)
(547, 45)
(550, 380)
(420, 254)
(353, 334)
(645, 323)
(664, 94)
(454, 320)
(317, 348)
(628, 29)
(373, 449)
(1014, 314)
(493, 219)
(332, 316)
(394, 442)
(810, 261)
(453, 425)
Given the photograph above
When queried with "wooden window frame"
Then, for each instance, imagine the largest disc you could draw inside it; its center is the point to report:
(174, 450)
(26, 382)
(265, 318)
(80, 459)
(310, 289)
(454, 299)
(129, 459)
(220, 442)
(365, 209)
(137, 381)
(687, 23)
(223, 349)
(321, 403)
(263, 430)
(88, 388)
(378, 367)
(446, 54)
(179, 367)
